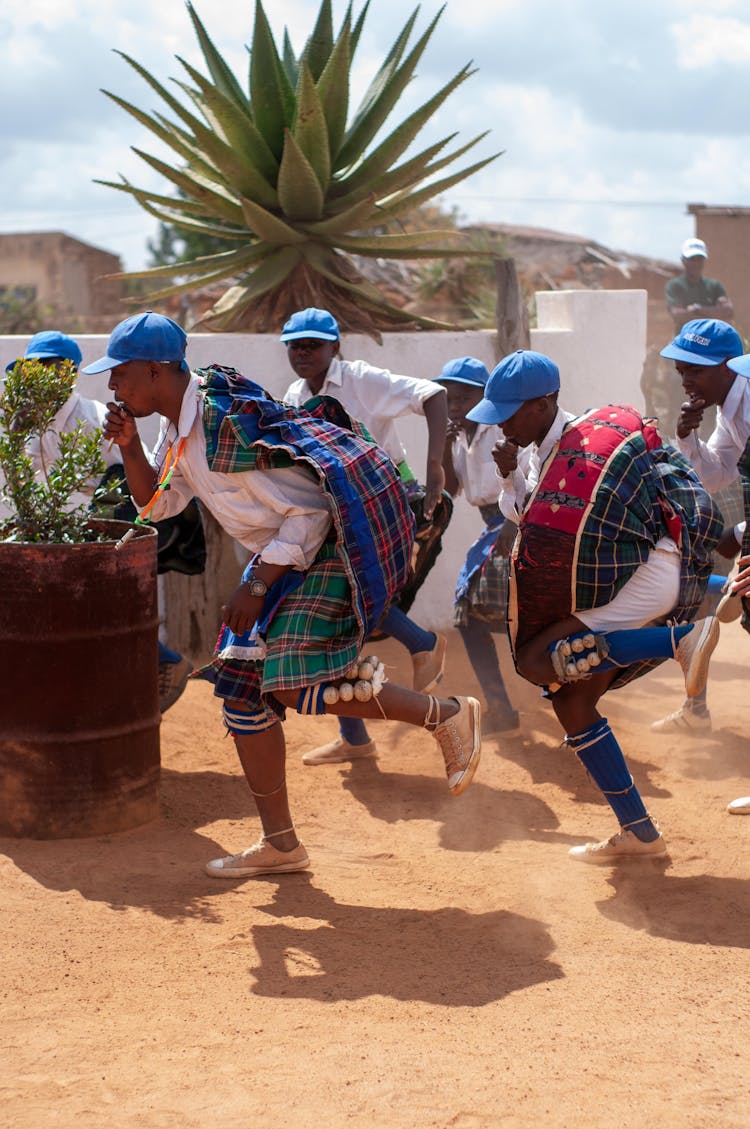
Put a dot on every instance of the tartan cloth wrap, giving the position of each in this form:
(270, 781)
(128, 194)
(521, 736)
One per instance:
(482, 586)
(743, 466)
(608, 492)
(318, 621)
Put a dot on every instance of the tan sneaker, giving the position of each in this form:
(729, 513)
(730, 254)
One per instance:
(262, 858)
(460, 741)
(694, 653)
(729, 606)
(685, 721)
(172, 681)
(338, 751)
(623, 845)
(429, 666)
(740, 806)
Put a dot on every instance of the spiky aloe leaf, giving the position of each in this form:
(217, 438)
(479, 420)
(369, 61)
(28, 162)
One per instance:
(264, 225)
(289, 60)
(217, 203)
(270, 274)
(236, 125)
(271, 93)
(250, 257)
(224, 79)
(333, 89)
(320, 44)
(402, 202)
(310, 129)
(300, 194)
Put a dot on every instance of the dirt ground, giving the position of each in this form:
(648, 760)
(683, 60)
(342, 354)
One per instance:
(443, 963)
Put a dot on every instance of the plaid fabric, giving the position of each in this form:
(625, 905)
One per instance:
(311, 634)
(608, 493)
(246, 429)
(482, 588)
(743, 467)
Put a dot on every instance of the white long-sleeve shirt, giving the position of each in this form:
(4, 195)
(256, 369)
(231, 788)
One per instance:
(282, 514)
(474, 466)
(515, 487)
(77, 409)
(374, 396)
(715, 461)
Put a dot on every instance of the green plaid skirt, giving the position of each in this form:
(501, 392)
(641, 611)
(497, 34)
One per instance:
(313, 637)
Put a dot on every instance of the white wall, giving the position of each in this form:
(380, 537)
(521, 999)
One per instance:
(597, 337)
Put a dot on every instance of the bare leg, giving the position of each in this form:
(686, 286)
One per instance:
(263, 759)
(394, 702)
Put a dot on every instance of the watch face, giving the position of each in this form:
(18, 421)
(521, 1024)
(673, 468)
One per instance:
(258, 587)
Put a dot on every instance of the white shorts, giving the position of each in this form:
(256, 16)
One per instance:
(650, 594)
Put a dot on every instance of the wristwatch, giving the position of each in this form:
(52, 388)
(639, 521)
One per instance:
(257, 586)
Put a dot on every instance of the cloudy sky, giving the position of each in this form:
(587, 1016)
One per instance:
(613, 114)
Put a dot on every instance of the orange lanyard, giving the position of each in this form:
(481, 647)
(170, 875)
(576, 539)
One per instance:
(163, 484)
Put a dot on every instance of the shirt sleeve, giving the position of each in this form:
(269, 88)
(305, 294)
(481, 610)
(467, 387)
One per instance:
(390, 394)
(715, 461)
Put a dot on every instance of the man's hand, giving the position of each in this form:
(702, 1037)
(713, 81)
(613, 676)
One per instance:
(242, 609)
(741, 582)
(119, 426)
(452, 430)
(435, 481)
(505, 455)
(690, 417)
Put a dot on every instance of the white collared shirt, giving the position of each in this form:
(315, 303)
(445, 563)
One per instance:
(715, 461)
(282, 514)
(374, 396)
(474, 466)
(515, 488)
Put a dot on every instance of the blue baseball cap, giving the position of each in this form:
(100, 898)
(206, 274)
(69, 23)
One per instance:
(521, 376)
(740, 365)
(311, 323)
(464, 370)
(143, 337)
(49, 344)
(704, 341)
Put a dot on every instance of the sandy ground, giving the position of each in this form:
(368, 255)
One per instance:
(442, 964)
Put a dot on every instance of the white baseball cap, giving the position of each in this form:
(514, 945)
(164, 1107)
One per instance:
(693, 248)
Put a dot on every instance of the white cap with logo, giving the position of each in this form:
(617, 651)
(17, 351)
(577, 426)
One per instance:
(694, 248)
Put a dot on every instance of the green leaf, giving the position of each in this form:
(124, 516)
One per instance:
(271, 95)
(320, 44)
(300, 193)
(333, 90)
(384, 93)
(397, 142)
(178, 203)
(276, 268)
(402, 202)
(236, 170)
(261, 255)
(166, 132)
(359, 215)
(269, 227)
(217, 203)
(359, 25)
(310, 130)
(226, 262)
(383, 246)
(290, 61)
(222, 75)
(237, 127)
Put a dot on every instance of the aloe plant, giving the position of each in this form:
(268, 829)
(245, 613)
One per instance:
(303, 185)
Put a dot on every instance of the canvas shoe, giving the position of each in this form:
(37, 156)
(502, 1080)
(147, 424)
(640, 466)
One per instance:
(460, 741)
(338, 751)
(623, 845)
(694, 653)
(428, 666)
(495, 723)
(740, 807)
(262, 858)
(172, 682)
(685, 721)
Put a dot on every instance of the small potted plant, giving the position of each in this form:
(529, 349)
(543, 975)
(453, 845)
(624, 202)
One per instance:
(79, 736)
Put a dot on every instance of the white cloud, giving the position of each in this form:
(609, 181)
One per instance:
(705, 41)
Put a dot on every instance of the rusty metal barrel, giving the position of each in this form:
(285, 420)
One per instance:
(79, 708)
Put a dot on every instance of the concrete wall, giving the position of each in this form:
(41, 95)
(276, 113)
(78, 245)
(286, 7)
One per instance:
(598, 338)
(65, 274)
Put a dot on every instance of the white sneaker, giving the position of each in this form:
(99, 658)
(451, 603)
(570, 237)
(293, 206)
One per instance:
(460, 741)
(339, 751)
(684, 721)
(694, 653)
(740, 807)
(262, 858)
(623, 845)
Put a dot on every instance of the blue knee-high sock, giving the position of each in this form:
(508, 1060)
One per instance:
(635, 644)
(166, 655)
(407, 632)
(599, 752)
(480, 648)
(354, 730)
